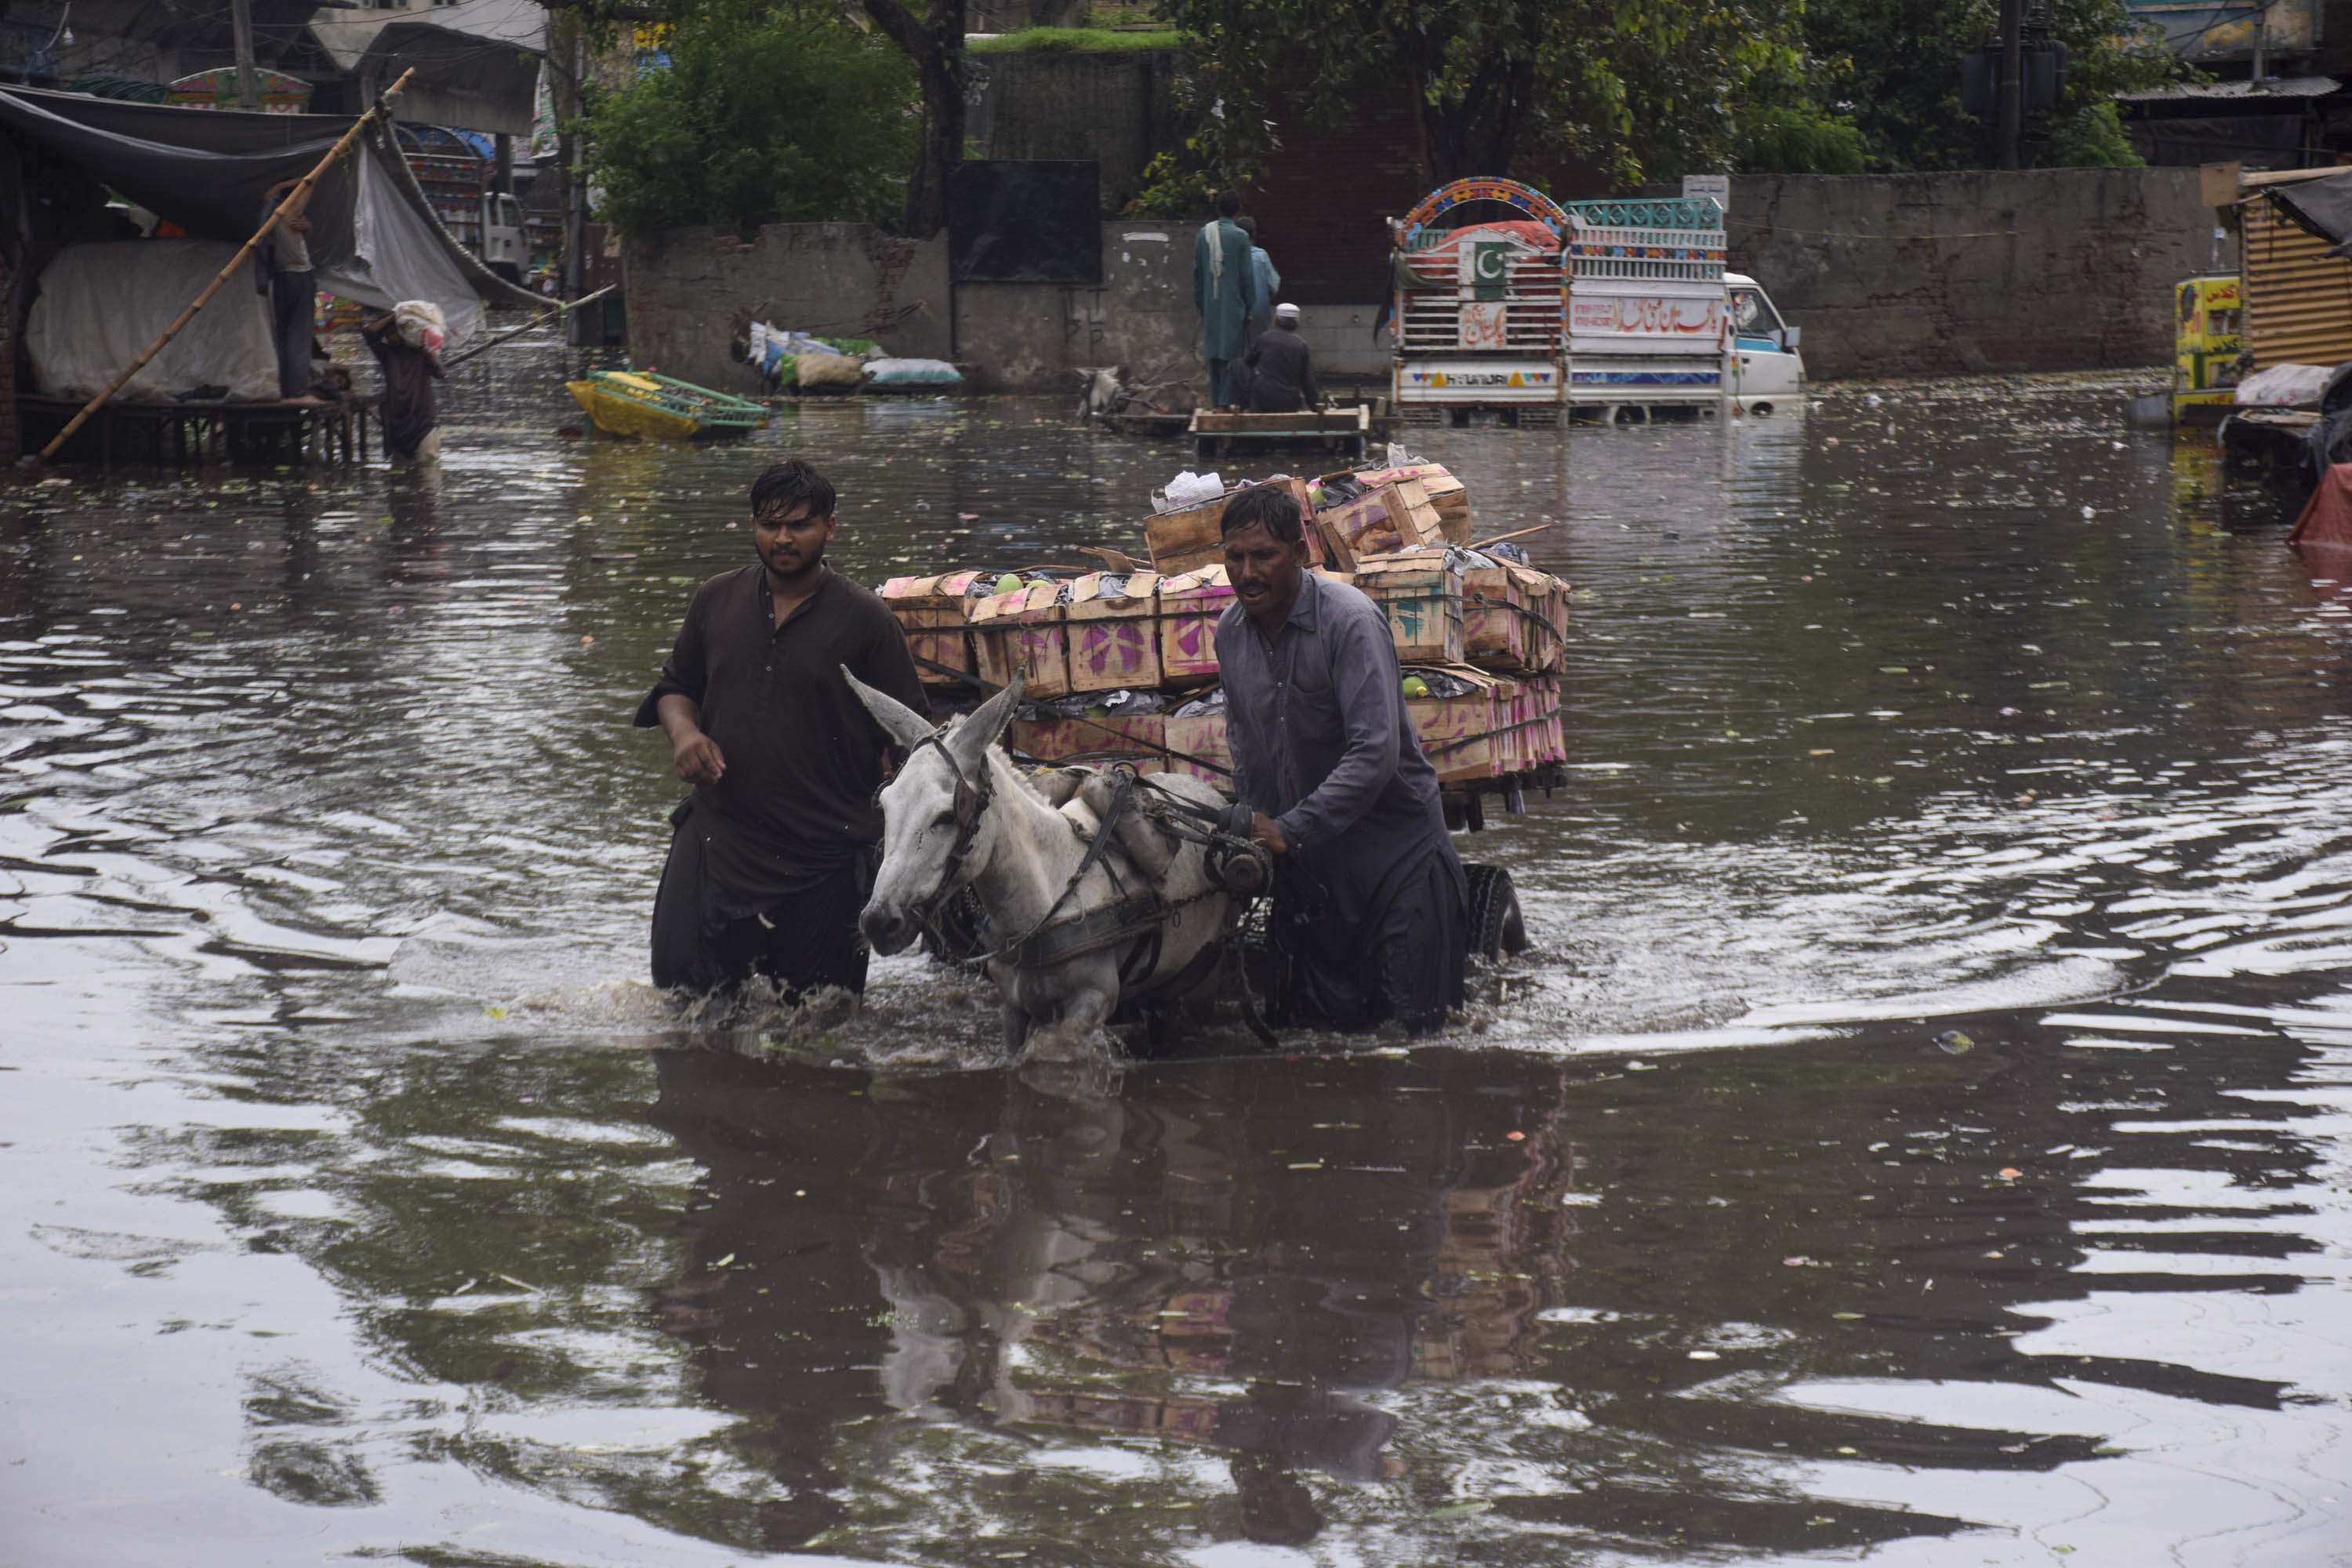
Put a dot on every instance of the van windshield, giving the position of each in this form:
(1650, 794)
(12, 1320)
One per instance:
(1752, 315)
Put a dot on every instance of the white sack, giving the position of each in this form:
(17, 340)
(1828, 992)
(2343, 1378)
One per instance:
(101, 305)
(2285, 386)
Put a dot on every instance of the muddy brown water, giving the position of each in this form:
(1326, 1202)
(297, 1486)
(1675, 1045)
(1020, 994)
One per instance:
(1920, 1132)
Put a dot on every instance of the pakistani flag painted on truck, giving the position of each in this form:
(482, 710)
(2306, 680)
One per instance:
(1508, 301)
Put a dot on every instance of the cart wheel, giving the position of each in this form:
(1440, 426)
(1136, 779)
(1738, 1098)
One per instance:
(1496, 928)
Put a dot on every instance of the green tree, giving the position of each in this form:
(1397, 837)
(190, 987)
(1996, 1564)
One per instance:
(1892, 69)
(765, 113)
(933, 43)
(1642, 90)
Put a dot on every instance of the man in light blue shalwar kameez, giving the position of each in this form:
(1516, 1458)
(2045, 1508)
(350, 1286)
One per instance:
(1224, 288)
(1263, 277)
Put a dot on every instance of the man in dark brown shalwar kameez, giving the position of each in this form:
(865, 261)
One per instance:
(774, 854)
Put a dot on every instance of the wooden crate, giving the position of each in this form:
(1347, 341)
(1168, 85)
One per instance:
(1390, 518)
(1187, 541)
(1511, 617)
(1023, 631)
(1114, 631)
(1188, 607)
(1448, 496)
(1420, 592)
(934, 612)
(1472, 736)
(1543, 736)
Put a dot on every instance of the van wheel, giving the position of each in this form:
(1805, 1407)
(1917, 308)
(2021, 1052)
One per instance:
(1498, 930)
(1760, 408)
(508, 272)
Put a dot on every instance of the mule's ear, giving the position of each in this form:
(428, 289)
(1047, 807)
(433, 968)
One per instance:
(901, 723)
(976, 734)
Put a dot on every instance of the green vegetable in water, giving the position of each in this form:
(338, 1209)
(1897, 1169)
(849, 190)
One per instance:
(1098, 711)
(1008, 583)
(1414, 686)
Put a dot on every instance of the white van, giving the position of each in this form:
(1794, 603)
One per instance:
(1765, 372)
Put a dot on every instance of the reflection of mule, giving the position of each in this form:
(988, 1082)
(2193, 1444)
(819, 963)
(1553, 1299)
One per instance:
(1133, 904)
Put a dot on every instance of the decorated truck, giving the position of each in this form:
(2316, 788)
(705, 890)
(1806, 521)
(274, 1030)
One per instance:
(1603, 310)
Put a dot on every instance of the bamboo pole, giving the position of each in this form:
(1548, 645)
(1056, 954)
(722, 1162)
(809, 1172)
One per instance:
(562, 308)
(380, 109)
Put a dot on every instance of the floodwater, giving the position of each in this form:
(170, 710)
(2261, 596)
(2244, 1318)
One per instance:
(1921, 1133)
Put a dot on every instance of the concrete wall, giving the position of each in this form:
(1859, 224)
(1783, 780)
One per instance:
(688, 289)
(1889, 274)
(1976, 271)
(1022, 337)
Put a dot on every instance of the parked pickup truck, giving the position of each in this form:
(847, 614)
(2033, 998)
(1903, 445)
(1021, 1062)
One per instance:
(1611, 310)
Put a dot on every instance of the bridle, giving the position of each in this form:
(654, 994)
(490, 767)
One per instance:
(970, 805)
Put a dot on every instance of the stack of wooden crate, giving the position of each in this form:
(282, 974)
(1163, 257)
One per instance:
(1398, 509)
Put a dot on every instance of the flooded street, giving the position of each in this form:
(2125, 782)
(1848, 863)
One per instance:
(1924, 1127)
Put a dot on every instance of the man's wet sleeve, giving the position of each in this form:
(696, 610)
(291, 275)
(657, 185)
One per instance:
(683, 671)
(1372, 698)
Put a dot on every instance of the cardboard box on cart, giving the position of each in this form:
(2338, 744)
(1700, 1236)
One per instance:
(1467, 737)
(1448, 497)
(1512, 617)
(934, 612)
(1189, 607)
(1420, 592)
(1388, 519)
(1135, 737)
(1023, 631)
(1192, 537)
(1200, 736)
(1114, 632)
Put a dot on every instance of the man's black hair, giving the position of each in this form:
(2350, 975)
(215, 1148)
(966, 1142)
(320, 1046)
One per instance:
(1247, 225)
(1228, 203)
(1270, 507)
(786, 486)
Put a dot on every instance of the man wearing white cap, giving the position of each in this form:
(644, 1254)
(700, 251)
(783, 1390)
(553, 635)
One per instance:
(1282, 368)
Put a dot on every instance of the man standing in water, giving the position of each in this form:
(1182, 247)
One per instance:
(773, 855)
(1224, 287)
(1371, 906)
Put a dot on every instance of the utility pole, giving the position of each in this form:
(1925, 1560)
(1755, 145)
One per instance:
(2011, 132)
(248, 88)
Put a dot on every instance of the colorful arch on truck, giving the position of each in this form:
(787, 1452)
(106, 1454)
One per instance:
(1489, 188)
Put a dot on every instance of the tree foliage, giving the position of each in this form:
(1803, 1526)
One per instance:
(1891, 68)
(765, 113)
(1648, 90)
(1640, 90)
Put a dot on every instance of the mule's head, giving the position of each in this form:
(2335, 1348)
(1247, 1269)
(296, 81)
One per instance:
(938, 801)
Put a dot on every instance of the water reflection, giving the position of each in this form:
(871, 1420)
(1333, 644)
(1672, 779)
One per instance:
(1452, 1296)
(1996, 848)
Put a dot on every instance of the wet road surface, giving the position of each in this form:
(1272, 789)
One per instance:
(1921, 1130)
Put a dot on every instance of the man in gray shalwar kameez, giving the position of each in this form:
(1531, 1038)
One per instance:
(1371, 906)
(1224, 288)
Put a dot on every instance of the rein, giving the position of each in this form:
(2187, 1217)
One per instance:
(1049, 941)
(971, 804)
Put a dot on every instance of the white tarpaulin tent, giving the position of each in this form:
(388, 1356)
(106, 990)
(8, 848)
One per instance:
(99, 305)
(373, 237)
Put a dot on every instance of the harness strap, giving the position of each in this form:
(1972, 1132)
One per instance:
(1113, 925)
